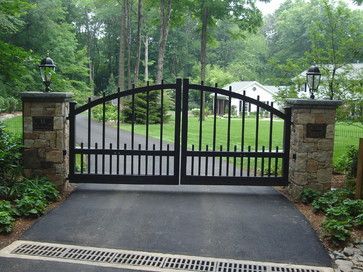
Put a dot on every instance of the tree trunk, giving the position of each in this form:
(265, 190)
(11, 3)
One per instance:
(203, 51)
(331, 84)
(121, 59)
(146, 60)
(128, 28)
(138, 52)
(165, 13)
(89, 46)
(203, 42)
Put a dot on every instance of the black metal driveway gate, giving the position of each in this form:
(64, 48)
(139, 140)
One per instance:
(219, 148)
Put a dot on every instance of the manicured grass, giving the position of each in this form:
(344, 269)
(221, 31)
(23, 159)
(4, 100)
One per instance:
(14, 125)
(345, 134)
(221, 132)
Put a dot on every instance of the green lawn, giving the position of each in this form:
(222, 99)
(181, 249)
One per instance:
(346, 134)
(221, 132)
(14, 125)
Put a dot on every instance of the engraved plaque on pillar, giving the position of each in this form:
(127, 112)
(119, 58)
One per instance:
(316, 131)
(41, 123)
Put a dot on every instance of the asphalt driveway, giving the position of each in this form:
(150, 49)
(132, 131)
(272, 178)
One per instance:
(245, 223)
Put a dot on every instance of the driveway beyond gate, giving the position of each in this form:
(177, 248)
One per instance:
(245, 223)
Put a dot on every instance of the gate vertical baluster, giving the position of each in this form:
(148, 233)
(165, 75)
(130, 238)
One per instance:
(214, 128)
(270, 141)
(147, 130)
(206, 161)
(234, 160)
(229, 128)
(167, 160)
(276, 161)
(201, 113)
(243, 130)
(132, 128)
(118, 130)
(89, 136)
(263, 162)
(72, 121)
(96, 158)
(248, 161)
(286, 142)
(256, 137)
(110, 159)
(161, 127)
(125, 159)
(192, 161)
(82, 158)
(184, 139)
(220, 160)
(153, 171)
(103, 130)
(139, 162)
(177, 129)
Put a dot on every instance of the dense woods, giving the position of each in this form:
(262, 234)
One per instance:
(101, 45)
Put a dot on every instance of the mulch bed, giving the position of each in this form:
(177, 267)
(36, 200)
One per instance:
(316, 219)
(22, 224)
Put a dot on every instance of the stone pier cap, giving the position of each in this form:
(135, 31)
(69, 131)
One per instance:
(300, 103)
(46, 96)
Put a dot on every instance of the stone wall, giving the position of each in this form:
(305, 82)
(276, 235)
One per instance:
(311, 155)
(46, 143)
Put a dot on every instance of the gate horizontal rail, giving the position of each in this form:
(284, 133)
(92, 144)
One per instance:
(200, 161)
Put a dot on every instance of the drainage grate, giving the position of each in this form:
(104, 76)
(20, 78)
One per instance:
(142, 260)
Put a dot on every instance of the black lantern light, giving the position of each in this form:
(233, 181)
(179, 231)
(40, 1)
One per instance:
(313, 79)
(47, 68)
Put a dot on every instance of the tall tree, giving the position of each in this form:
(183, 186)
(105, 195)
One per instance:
(122, 46)
(165, 16)
(337, 40)
(138, 42)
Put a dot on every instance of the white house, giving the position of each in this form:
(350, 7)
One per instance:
(252, 89)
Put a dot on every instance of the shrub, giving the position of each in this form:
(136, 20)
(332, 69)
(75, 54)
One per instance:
(140, 108)
(2, 104)
(6, 222)
(354, 207)
(38, 187)
(358, 220)
(12, 104)
(110, 113)
(308, 195)
(348, 162)
(337, 231)
(339, 213)
(330, 199)
(195, 112)
(5, 206)
(10, 154)
(31, 206)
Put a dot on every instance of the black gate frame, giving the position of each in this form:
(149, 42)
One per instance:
(120, 178)
(180, 152)
(268, 180)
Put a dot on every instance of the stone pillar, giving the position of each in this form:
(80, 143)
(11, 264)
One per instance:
(311, 145)
(45, 135)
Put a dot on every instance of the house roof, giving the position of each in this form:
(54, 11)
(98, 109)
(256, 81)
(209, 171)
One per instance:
(243, 85)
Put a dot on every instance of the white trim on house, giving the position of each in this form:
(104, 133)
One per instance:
(252, 89)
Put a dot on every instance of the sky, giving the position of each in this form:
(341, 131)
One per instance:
(269, 8)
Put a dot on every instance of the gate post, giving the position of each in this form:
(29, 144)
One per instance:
(311, 144)
(45, 135)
